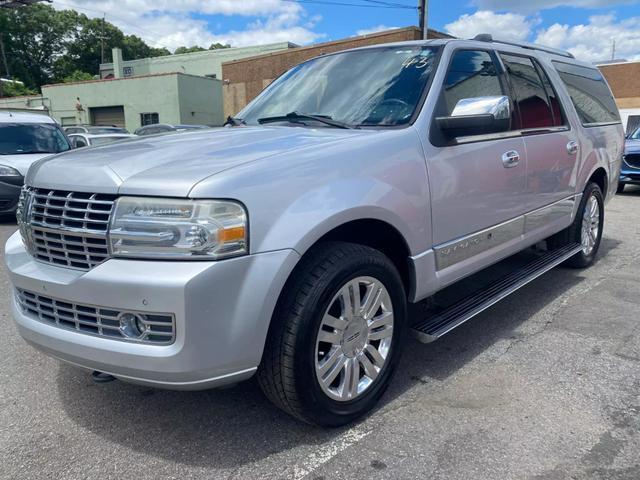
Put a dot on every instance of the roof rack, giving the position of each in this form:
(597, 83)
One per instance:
(487, 37)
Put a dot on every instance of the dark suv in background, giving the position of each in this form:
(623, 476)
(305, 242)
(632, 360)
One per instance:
(630, 172)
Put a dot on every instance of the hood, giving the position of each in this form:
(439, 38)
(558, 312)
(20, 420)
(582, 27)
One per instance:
(171, 165)
(22, 162)
(632, 146)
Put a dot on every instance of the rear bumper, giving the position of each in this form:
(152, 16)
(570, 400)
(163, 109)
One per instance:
(222, 313)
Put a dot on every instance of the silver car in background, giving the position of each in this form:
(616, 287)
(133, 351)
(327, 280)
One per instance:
(290, 244)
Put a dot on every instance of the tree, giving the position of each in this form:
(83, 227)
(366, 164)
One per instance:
(15, 89)
(217, 46)
(45, 45)
(195, 48)
(77, 76)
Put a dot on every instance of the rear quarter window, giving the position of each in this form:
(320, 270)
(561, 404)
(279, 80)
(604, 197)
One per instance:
(589, 93)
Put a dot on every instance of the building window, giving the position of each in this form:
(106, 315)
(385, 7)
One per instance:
(149, 119)
(127, 71)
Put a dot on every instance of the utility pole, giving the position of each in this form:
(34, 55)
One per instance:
(613, 49)
(423, 15)
(102, 39)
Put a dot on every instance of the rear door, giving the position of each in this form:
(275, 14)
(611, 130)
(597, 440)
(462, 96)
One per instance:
(552, 147)
(477, 197)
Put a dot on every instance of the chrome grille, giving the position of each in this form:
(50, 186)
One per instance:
(92, 320)
(68, 228)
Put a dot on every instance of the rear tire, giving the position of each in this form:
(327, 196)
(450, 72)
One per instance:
(326, 362)
(586, 228)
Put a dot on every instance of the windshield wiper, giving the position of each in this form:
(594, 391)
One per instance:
(293, 116)
(234, 121)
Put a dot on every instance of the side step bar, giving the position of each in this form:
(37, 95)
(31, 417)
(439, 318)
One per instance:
(433, 327)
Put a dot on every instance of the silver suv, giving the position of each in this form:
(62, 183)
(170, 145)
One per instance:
(291, 244)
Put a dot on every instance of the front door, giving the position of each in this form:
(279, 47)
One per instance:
(477, 183)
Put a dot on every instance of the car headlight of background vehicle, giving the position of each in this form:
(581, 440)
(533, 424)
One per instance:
(7, 171)
(181, 229)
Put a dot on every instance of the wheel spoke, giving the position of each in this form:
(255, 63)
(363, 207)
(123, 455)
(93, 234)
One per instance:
(377, 359)
(334, 371)
(354, 287)
(345, 300)
(351, 379)
(381, 334)
(330, 337)
(334, 322)
(329, 362)
(371, 302)
(383, 320)
(370, 369)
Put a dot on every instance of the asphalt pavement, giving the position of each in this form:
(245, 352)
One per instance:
(544, 385)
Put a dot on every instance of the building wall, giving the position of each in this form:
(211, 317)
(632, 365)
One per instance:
(197, 63)
(200, 101)
(244, 79)
(150, 94)
(25, 102)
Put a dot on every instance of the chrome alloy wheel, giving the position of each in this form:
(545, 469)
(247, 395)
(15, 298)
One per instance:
(354, 338)
(590, 225)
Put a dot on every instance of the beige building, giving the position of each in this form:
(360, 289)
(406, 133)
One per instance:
(624, 80)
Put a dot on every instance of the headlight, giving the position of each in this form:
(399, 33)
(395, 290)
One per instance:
(184, 229)
(7, 171)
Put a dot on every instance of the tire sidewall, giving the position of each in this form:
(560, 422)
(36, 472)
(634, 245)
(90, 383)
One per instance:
(323, 409)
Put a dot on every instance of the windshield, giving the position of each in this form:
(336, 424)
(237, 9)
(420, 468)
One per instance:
(635, 135)
(24, 138)
(376, 87)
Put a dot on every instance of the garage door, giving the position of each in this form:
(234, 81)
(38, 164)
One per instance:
(108, 116)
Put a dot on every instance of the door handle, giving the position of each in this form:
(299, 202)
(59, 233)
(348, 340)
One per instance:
(510, 159)
(572, 147)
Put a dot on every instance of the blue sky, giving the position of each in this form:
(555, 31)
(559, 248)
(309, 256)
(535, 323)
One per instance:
(586, 27)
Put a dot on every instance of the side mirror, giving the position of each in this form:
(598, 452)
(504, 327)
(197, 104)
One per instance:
(477, 116)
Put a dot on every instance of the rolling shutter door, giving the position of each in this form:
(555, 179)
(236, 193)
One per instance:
(108, 116)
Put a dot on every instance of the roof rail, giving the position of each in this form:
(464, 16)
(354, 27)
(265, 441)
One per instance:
(486, 37)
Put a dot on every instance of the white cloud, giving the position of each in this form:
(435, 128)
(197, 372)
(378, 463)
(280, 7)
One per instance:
(170, 23)
(593, 41)
(502, 25)
(536, 5)
(376, 29)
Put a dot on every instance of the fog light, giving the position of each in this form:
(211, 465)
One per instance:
(132, 325)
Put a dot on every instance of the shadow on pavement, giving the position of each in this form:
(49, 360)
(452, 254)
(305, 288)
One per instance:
(233, 427)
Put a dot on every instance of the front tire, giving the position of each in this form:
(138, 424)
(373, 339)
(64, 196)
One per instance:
(335, 337)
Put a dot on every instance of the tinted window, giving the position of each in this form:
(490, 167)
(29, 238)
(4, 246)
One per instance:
(377, 86)
(529, 93)
(589, 93)
(23, 138)
(78, 142)
(556, 109)
(471, 74)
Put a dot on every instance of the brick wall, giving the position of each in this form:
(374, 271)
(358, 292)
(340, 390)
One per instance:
(244, 79)
(624, 80)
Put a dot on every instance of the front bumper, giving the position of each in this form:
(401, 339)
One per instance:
(9, 193)
(630, 175)
(222, 313)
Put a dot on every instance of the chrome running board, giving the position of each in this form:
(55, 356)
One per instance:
(433, 327)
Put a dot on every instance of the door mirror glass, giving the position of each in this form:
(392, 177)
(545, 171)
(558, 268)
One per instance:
(477, 116)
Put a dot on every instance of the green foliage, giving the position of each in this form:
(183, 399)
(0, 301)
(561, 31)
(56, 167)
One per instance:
(77, 76)
(45, 45)
(195, 48)
(15, 90)
(217, 46)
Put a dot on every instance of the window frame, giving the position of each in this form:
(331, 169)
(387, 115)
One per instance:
(566, 126)
(592, 124)
(142, 115)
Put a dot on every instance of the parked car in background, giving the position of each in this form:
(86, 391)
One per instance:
(94, 129)
(290, 247)
(79, 140)
(157, 128)
(630, 172)
(24, 138)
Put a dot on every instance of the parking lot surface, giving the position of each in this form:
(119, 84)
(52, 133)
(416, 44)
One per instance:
(544, 385)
